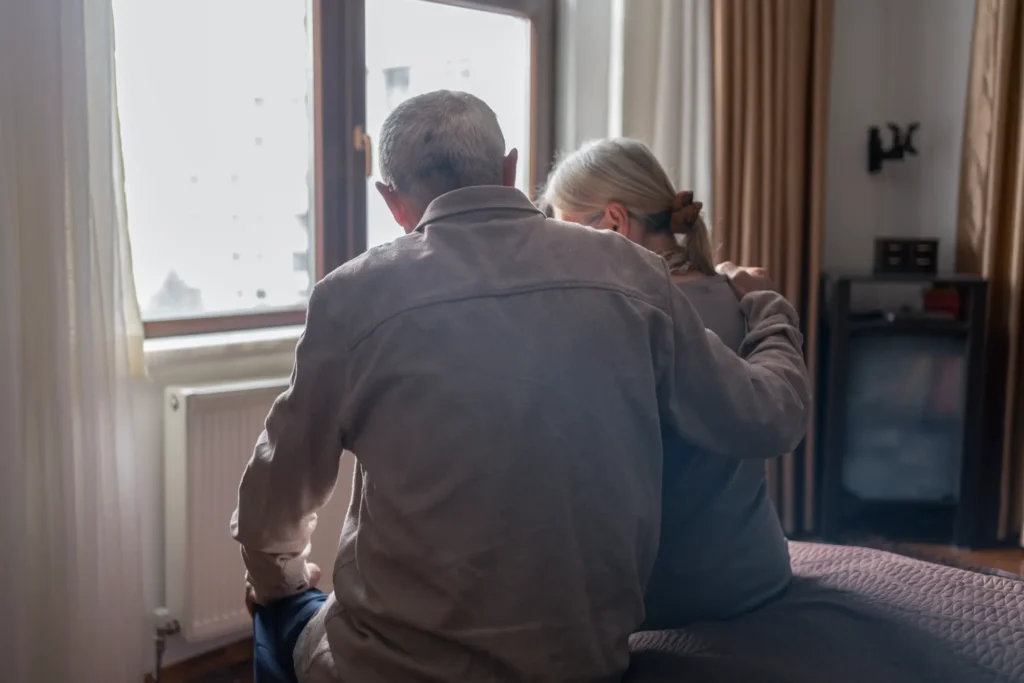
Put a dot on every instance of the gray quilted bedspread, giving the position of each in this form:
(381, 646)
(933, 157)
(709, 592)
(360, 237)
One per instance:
(853, 615)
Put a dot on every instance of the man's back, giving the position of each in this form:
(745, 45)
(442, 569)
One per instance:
(501, 400)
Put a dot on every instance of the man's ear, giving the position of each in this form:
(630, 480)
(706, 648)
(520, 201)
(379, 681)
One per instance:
(508, 168)
(400, 208)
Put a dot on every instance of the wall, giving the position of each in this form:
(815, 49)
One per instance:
(899, 61)
(892, 60)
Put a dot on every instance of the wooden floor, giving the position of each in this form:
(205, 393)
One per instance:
(230, 664)
(1010, 560)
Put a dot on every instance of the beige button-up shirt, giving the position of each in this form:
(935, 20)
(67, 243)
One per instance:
(507, 383)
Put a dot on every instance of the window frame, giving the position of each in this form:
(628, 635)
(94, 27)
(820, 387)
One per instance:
(542, 15)
(340, 148)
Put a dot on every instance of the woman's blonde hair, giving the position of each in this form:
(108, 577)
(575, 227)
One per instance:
(626, 171)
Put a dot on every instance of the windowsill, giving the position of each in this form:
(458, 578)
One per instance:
(275, 345)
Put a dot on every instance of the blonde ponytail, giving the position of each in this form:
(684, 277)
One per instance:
(696, 247)
(626, 171)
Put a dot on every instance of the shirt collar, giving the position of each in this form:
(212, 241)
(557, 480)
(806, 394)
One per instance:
(476, 198)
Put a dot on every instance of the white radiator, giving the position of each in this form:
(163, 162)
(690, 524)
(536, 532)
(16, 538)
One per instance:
(209, 434)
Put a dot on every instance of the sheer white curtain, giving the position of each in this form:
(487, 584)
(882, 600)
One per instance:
(70, 342)
(642, 69)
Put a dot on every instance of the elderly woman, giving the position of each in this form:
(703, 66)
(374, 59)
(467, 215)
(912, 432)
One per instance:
(723, 551)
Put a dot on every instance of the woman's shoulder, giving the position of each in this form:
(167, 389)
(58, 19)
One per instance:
(717, 306)
(715, 286)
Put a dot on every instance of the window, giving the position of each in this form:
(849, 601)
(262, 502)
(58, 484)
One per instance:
(247, 133)
(217, 142)
(502, 51)
(414, 47)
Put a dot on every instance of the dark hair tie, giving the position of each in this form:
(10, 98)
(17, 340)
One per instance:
(685, 213)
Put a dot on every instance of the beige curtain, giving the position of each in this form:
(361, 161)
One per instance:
(665, 98)
(70, 348)
(771, 65)
(990, 230)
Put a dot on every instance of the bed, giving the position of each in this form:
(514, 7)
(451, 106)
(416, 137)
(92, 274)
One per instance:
(853, 615)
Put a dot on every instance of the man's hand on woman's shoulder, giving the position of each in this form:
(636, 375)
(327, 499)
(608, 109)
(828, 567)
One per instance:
(744, 279)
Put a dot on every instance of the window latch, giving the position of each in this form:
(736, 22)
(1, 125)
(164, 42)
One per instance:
(363, 143)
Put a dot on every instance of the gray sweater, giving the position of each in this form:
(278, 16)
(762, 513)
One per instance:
(722, 551)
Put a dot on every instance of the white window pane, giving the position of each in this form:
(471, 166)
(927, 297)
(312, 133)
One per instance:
(414, 47)
(215, 100)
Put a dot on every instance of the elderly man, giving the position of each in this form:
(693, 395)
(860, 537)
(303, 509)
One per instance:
(506, 383)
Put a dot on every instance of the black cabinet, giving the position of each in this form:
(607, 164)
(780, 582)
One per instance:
(902, 394)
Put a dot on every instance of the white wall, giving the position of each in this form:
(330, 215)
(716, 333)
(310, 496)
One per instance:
(899, 61)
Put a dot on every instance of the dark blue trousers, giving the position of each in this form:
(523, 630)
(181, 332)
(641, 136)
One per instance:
(276, 629)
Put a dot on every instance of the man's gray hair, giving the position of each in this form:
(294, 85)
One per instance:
(438, 142)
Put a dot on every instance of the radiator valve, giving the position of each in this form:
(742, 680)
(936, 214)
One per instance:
(166, 626)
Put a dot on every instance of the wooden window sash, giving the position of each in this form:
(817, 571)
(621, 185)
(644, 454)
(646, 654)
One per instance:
(339, 92)
(542, 15)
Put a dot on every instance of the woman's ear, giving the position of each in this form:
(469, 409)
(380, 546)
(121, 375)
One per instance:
(616, 217)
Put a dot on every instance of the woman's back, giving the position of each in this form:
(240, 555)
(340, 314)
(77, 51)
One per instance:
(718, 307)
(723, 551)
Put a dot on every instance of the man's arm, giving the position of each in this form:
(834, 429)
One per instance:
(294, 466)
(757, 406)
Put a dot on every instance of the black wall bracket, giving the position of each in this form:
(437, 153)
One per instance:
(902, 145)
